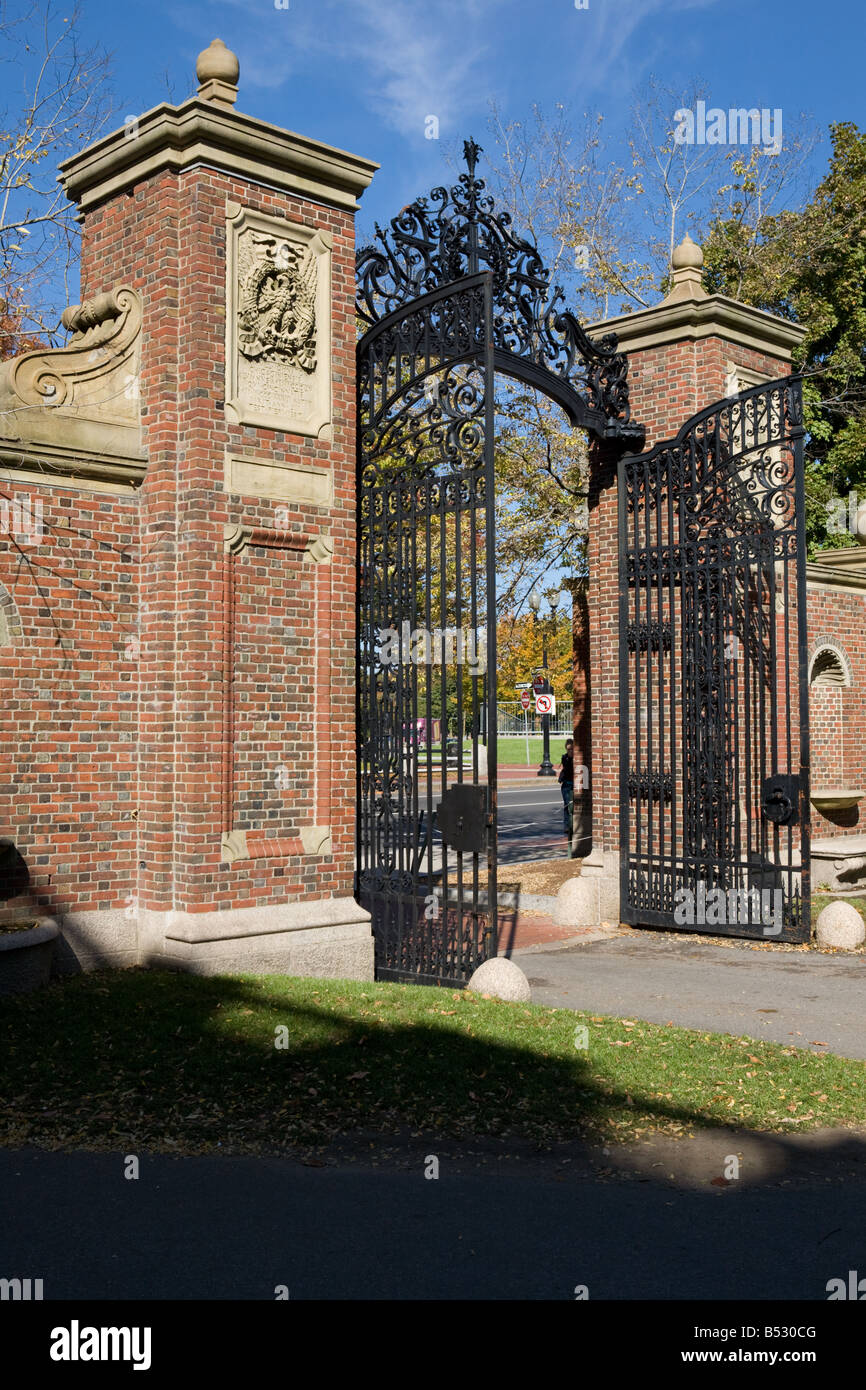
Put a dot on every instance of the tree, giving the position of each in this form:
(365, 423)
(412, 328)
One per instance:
(606, 220)
(542, 468)
(607, 217)
(55, 95)
(809, 265)
(520, 645)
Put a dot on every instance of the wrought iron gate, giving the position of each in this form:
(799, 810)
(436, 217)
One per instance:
(450, 296)
(714, 789)
(427, 605)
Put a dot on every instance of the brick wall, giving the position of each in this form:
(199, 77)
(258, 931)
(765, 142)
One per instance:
(117, 748)
(837, 714)
(671, 382)
(69, 690)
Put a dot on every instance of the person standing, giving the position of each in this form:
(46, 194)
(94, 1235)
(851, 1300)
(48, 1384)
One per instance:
(566, 783)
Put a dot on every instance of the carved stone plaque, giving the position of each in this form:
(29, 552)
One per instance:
(278, 323)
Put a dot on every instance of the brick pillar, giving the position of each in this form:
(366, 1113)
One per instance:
(683, 354)
(603, 624)
(239, 238)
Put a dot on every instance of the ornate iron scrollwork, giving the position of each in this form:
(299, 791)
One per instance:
(650, 786)
(457, 232)
(713, 550)
(649, 637)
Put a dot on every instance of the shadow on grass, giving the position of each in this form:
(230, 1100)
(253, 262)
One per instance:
(180, 1063)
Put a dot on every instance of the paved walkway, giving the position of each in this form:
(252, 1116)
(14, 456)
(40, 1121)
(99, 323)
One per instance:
(234, 1228)
(806, 998)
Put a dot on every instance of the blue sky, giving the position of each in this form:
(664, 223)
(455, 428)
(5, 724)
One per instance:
(364, 75)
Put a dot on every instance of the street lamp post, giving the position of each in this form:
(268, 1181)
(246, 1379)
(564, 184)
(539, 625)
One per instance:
(546, 769)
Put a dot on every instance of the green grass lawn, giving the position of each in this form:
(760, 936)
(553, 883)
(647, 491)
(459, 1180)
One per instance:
(513, 750)
(177, 1063)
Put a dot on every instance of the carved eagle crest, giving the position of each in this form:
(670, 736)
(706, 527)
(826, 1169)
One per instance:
(277, 309)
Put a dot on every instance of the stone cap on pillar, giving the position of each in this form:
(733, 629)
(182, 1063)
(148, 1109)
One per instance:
(207, 130)
(687, 313)
(217, 70)
(838, 569)
(687, 260)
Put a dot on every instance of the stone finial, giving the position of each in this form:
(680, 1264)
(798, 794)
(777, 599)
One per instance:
(686, 262)
(217, 70)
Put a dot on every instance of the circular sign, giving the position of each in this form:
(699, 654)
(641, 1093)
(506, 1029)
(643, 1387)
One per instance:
(526, 699)
(538, 684)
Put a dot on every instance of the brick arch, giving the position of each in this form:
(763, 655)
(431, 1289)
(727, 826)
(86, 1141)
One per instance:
(11, 631)
(829, 664)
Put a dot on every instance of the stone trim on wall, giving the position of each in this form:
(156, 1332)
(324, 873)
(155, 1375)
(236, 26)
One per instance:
(838, 569)
(204, 132)
(11, 631)
(314, 840)
(73, 467)
(714, 316)
(249, 476)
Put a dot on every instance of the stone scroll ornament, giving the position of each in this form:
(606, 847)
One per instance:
(277, 304)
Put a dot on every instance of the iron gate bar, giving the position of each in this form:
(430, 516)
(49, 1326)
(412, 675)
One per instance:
(712, 522)
(490, 944)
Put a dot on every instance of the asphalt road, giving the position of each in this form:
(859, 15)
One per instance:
(530, 822)
(780, 996)
(235, 1228)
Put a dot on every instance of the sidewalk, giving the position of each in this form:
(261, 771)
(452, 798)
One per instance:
(536, 932)
(807, 999)
(505, 1222)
